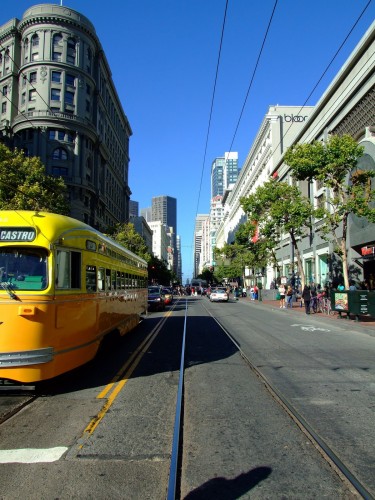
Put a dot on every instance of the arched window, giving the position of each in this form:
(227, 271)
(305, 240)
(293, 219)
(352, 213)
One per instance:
(26, 51)
(57, 47)
(89, 60)
(71, 51)
(60, 154)
(34, 47)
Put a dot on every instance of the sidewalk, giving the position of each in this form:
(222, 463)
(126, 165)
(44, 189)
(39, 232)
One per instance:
(297, 309)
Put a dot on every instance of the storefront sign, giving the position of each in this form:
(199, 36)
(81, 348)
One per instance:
(367, 251)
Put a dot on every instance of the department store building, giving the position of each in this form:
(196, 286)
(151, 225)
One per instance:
(58, 102)
(347, 107)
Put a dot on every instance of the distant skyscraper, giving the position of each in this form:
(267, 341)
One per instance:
(133, 208)
(164, 208)
(147, 214)
(200, 220)
(224, 173)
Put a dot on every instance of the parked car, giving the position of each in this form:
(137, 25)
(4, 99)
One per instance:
(168, 294)
(156, 298)
(219, 295)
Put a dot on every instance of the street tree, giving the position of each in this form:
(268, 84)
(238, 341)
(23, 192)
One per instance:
(234, 257)
(277, 208)
(351, 189)
(126, 235)
(24, 184)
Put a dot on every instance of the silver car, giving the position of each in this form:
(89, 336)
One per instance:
(219, 295)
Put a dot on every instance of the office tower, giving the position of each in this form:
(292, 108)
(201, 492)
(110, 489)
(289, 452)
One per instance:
(224, 173)
(164, 208)
(133, 208)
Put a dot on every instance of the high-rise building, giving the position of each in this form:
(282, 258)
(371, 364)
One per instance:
(133, 208)
(224, 173)
(164, 208)
(58, 102)
(200, 220)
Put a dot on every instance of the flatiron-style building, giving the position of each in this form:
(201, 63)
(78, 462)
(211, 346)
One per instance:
(58, 101)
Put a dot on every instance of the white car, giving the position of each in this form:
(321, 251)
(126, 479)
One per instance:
(219, 295)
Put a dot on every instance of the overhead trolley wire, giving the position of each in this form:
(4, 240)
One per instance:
(327, 68)
(212, 103)
(254, 72)
(211, 110)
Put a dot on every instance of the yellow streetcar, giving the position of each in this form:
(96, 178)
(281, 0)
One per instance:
(63, 287)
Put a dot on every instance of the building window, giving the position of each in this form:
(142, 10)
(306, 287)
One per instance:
(56, 56)
(52, 135)
(4, 107)
(60, 171)
(57, 40)
(35, 41)
(71, 51)
(59, 154)
(26, 50)
(69, 97)
(70, 80)
(32, 95)
(55, 94)
(32, 77)
(5, 90)
(61, 135)
(89, 60)
(56, 76)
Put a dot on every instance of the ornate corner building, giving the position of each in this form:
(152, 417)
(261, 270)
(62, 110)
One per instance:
(58, 102)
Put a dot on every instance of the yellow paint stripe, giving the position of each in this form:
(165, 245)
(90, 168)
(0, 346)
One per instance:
(116, 386)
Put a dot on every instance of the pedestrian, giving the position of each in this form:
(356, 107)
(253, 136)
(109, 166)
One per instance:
(256, 291)
(289, 297)
(306, 295)
(252, 293)
(282, 296)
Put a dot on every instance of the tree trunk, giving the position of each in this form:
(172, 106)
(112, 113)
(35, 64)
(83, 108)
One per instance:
(344, 251)
(299, 261)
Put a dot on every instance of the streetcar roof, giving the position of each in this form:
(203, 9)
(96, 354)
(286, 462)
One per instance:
(55, 226)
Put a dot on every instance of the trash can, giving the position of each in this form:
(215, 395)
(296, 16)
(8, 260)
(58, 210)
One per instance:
(358, 303)
(371, 303)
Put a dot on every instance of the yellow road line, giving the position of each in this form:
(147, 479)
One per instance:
(124, 374)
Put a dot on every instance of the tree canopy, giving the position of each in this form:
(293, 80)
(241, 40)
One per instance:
(24, 184)
(126, 235)
(351, 190)
(276, 208)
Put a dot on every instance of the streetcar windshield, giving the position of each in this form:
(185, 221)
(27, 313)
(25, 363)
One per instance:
(23, 268)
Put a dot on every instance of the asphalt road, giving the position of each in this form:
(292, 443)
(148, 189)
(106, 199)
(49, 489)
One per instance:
(93, 439)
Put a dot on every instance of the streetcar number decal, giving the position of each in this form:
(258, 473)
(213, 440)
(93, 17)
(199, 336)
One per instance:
(17, 234)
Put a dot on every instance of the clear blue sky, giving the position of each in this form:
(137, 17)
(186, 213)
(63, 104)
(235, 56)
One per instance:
(163, 56)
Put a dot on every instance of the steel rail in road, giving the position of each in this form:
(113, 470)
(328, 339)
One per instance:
(173, 470)
(328, 454)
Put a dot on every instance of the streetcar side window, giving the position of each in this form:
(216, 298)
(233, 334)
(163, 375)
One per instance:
(101, 279)
(68, 269)
(91, 278)
(108, 279)
(76, 270)
(113, 274)
(62, 269)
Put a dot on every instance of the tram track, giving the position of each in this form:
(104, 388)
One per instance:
(341, 469)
